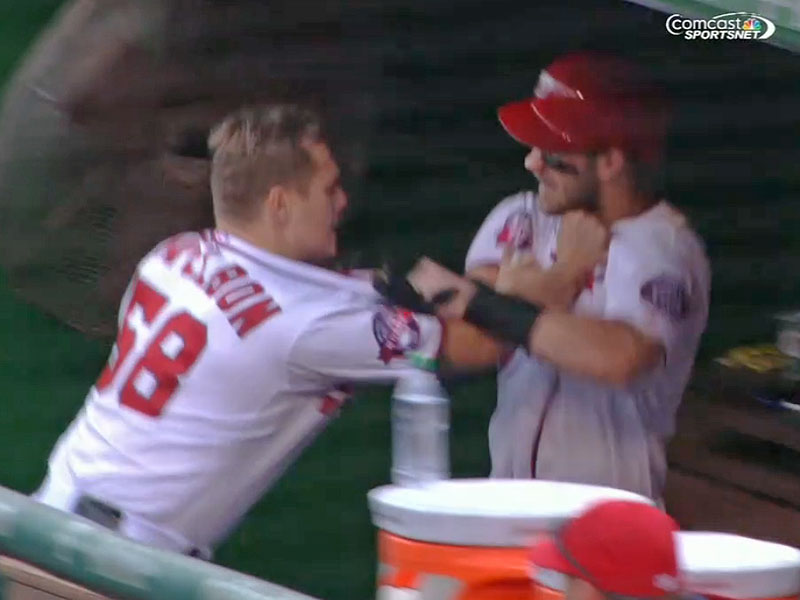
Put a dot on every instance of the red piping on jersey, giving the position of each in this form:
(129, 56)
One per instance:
(335, 399)
(538, 439)
(401, 578)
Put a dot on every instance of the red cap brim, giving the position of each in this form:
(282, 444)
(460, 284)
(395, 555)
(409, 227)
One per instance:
(522, 123)
(546, 555)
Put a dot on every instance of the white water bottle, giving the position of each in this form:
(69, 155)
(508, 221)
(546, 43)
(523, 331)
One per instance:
(420, 430)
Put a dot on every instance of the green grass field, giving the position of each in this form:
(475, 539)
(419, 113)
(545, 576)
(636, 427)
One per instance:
(313, 532)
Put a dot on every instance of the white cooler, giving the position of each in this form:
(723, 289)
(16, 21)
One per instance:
(722, 565)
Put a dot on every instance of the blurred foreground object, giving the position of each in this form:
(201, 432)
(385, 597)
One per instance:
(103, 128)
(719, 565)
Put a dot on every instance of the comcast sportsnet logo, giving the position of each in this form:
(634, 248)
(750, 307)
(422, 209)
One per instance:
(729, 26)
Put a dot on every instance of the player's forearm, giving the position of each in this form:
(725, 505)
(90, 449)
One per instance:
(609, 351)
(465, 347)
(554, 288)
(485, 273)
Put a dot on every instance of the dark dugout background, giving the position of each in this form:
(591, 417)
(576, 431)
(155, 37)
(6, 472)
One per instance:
(85, 182)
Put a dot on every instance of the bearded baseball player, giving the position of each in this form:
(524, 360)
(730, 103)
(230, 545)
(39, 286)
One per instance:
(230, 359)
(590, 390)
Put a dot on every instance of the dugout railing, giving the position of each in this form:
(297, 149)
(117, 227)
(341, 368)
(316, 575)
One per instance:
(46, 553)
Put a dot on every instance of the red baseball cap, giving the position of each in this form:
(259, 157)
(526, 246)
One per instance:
(620, 547)
(588, 101)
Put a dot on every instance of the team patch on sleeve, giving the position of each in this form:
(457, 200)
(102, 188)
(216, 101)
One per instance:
(396, 331)
(517, 231)
(667, 295)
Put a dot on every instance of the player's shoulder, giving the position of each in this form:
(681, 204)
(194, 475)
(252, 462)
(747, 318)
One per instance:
(351, 295)
(196, 259)
(519, 212)
(519, 199)
(663, 233)
(522, 201)
(193, 242)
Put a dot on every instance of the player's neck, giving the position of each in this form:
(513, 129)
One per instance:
(258, 237)
(618, 204)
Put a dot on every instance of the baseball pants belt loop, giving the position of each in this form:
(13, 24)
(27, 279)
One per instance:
(72, 500)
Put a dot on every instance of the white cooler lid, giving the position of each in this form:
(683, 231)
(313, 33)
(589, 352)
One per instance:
(738, 567)
(484, 512)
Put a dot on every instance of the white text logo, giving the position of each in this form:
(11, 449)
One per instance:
(729, 26)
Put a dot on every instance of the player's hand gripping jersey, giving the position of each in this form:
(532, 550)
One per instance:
(551, 424)
(229, 361)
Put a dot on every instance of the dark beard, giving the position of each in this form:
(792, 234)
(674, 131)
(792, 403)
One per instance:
(590, 201)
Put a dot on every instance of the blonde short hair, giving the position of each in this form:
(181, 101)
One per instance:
(257, 148)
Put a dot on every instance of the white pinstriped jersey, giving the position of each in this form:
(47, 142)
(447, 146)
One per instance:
(551, 424)
(229, 361)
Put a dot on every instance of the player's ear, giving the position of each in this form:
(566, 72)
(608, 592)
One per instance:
(578, 589)
(277, 206)
(610, 164)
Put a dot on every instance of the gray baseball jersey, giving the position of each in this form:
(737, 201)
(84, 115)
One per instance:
(551, 424)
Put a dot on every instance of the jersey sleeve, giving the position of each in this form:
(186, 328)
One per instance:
(659, 288)
(366, 343)
(512, 221)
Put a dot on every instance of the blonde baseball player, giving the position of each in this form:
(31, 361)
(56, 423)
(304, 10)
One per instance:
(234, 348)
(591, 390)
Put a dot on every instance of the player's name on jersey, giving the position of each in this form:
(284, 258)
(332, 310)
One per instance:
(242, 300)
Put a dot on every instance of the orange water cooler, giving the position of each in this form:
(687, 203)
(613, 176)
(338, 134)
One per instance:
(468, 539)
